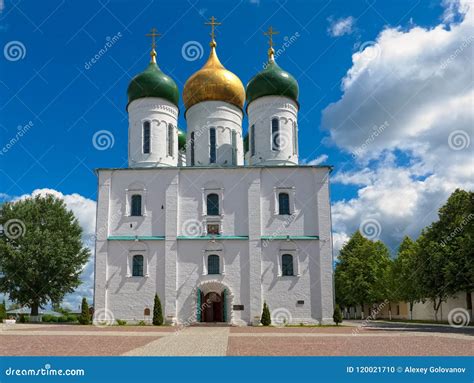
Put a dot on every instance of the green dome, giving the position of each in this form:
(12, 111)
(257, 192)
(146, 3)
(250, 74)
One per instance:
(152, 82)
(181, 140)
(246, 143)
(272, 81)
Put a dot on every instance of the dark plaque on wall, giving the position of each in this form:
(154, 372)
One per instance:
(300, 302)
(238, 307)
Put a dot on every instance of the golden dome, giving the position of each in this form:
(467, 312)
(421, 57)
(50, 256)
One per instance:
(213, 83)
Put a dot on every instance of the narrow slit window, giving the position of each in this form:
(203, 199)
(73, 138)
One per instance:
(234, 148)
(170, 140)
(192, 148)
(295, 138)
(275, 134)
(252, 140)
(146, 137)
(212, 145)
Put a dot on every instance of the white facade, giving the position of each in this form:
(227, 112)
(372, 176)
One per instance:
(171, 235)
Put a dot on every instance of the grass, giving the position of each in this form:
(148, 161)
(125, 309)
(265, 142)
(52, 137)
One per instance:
(417, 321)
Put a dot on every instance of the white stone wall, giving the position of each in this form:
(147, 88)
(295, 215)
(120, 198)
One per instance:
(160, 113)
(226, 118)
(174, 206)
(260, 114)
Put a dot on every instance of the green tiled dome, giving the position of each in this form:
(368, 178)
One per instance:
(152, 82)
(272, 81)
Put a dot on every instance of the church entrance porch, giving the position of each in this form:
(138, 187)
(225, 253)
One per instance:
(213, 302)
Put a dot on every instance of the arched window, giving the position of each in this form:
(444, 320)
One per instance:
(137, 266)
(212, 204)
(136, 203)
(170, 140)
(213, 264)
(287, 264)
(275, 134)
(252, 140)
(192, 148)
(212, 145)
(146, 137)
(283, 204)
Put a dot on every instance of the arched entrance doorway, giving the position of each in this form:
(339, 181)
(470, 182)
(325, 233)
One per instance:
(212, 308)
(213, 302)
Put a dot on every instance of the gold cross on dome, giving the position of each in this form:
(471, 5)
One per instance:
(153, 34)
(270, 34)
(213, 24)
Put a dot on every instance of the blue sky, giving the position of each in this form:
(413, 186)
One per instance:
(361, 66)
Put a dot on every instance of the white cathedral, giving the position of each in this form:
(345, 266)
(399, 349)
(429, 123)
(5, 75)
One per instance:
(213, 222)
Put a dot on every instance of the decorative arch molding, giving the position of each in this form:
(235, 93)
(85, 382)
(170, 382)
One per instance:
(214, 285)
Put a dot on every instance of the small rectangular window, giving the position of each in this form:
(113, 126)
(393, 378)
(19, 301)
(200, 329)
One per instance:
(146, 137)
(212, 145)
(136, 203)
(283, 204)
(275, 134)
(287, 265)
(213, 264)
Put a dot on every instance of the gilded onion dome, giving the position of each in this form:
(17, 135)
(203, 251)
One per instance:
(213, 83)
(273, 80)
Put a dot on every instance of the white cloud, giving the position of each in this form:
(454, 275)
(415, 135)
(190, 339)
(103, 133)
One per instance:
(84, 210)
(406, 115)
(316, 161)
(341, 27)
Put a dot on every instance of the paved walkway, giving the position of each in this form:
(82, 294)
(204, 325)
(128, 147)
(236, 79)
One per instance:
(195, 341)
(358, 339)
